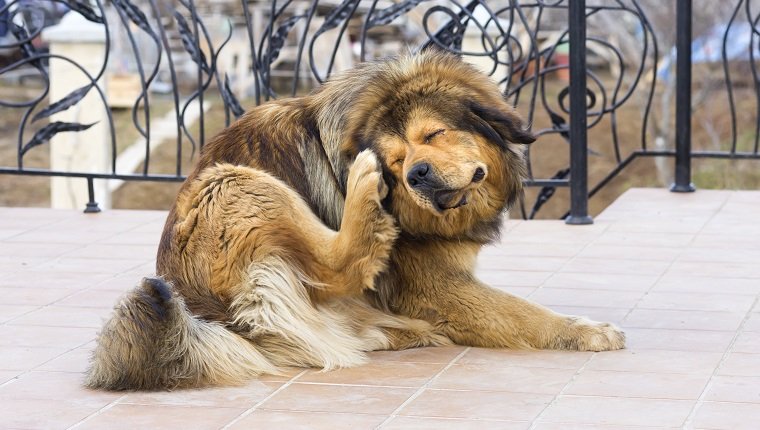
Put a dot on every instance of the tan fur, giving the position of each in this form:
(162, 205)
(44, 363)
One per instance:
(299, 240)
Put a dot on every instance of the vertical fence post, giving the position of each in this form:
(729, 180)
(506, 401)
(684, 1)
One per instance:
(578, 121)
(92, 205)
(683, 98)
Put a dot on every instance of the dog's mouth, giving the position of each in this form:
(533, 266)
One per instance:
(444, 200)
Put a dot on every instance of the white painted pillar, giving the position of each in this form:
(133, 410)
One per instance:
(83, 42)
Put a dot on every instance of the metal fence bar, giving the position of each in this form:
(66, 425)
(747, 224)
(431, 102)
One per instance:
(683, 99)
(578, 115)
(521, 43)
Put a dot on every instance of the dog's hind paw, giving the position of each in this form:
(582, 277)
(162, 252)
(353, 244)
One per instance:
(365, 177)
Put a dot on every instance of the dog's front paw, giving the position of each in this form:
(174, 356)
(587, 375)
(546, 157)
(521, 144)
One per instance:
(586, 335)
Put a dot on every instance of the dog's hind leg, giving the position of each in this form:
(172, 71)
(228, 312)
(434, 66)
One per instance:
(245, 215)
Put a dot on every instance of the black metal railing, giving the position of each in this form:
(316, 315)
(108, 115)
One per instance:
(236, 54)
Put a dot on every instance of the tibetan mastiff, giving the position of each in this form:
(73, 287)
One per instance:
(317, 228)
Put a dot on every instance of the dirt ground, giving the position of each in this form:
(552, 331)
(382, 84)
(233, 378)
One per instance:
(711, 130)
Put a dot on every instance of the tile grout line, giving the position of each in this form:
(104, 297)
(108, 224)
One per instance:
(534, 422)
(675, 259)
(421, 389)
(569, 260)
(98, 412)
(37, 368)
(700, 400)
(250, 410)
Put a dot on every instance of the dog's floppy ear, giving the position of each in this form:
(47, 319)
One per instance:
(499, 127)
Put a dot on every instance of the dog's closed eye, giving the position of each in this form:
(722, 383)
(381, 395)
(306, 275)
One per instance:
(430, 136)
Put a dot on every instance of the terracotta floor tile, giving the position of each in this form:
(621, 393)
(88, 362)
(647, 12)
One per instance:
(523, 292)
(718, 240)
(20, 264)
(587, 298)
(730, 224)
(734, 389)
(42, 414)
(477, 405)
(595, 281)
(91, 265)
(98, 251)
(622, 252)
(129, 417)
(728, 416)
(740, 364)
(6, 232)
(394, 374)
(64, 316)
(638, 384)
(523, 264)
(708, 254)
(586, 426)
(679, 323)
(102, 299)
(696, 302)
(338, 398)
(510, 248)
(263, 419)
(537, 380)
(56, 386)
(660, 225)
(9, 312)
(504, 278)
(633, 360)
(7, 375)
(618, 411)
(678, 340)
(511, 358)
(550, 232)
(732, 269)
(680, 319)
(146, 269)
(753, 322)
(34, 296)
(615, 266)
(45, 337)
(55, 279)
(242, 397)
(107, 223)
(37, 250)
(26, 358)
(672, 240)
(706, 285)
(133, 238)
(61, 236)
(442, 354)
(416, 423)
(748, 341)
(75, 361)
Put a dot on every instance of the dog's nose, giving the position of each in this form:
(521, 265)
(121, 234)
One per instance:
(418, 174)
(478, 175)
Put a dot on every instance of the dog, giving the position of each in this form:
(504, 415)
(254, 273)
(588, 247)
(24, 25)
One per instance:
(315, 229)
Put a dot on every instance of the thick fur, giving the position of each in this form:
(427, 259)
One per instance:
(304, 238)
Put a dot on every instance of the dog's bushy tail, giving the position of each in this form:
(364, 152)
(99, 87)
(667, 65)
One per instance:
(153, 342)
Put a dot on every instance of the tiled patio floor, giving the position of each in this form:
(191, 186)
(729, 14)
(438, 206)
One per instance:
(681, 274)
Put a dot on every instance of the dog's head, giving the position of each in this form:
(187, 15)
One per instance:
(448, 142)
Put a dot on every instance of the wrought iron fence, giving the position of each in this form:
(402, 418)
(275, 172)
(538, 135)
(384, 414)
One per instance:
(264, 50)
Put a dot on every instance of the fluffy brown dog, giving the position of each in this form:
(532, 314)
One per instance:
(317, 228)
